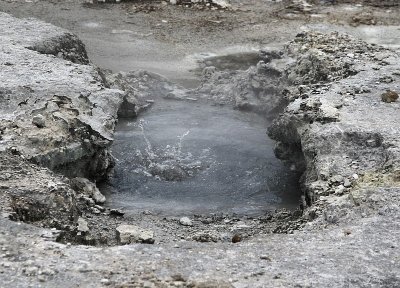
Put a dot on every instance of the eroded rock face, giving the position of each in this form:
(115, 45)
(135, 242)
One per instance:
(341, 127)
(35, 195)
(54, 112)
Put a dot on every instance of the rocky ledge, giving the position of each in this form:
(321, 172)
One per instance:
(341, 123)
(55, 110)
(340, 128)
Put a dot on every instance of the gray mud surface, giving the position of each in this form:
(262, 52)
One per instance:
(330, 100)
(206, 160)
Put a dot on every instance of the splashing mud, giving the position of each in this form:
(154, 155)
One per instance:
(167, 163)
(182, 157)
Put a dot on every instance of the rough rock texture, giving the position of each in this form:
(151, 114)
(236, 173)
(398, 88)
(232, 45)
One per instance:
(342, 128)
(35, 195)
(88, 188)
(253, 90)
(256, 89)
(78, 111)
(54, 113)
(43, 38)
(127, 234)
(141, 88)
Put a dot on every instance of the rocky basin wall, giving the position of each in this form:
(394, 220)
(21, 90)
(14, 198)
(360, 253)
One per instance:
(55, 109)
(340, 125)
(340, 117)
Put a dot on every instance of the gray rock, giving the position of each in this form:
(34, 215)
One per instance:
(61, 95)
(337, 179)
(127, 234)
(88, 188)
(333, 140)
(206, 236)
(185, 221)
(390, 96)
(39, 121)
(347, 183)
(117, 212)
(82, 225)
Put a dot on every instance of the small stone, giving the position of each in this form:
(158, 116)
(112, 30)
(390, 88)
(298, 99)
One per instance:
(95, 210)
(255, 84)
(82, 225)
(355, 176)
(236, 238)
(117, 212)
(88, 188)
(207, 221)
(178, 278)
(324, 175)
(206, 236)
(389, 96)
(185, 221)
(148, 284)
(339, 190)
(386, 79)
(127, 234)
(30, 271)
(105, 281)
(346, 232)
(337, 179)
(100, 208)
(39, 121)
(347, 183)
(265, 257)
(372, 143)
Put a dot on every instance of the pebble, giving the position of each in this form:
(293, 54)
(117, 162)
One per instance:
(100, 208)
(337, 179)
(82, 225)
(347, 183)
(116, 212)
(39, 121)
(185, 221)
(265, 257)
(339, 190)
(95, 210)
(207, 221)
(389, 96)
(127, 234)
(236, 238)
(105, 281)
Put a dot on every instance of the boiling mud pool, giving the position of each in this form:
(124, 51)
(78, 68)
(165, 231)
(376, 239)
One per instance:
(182, 157)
